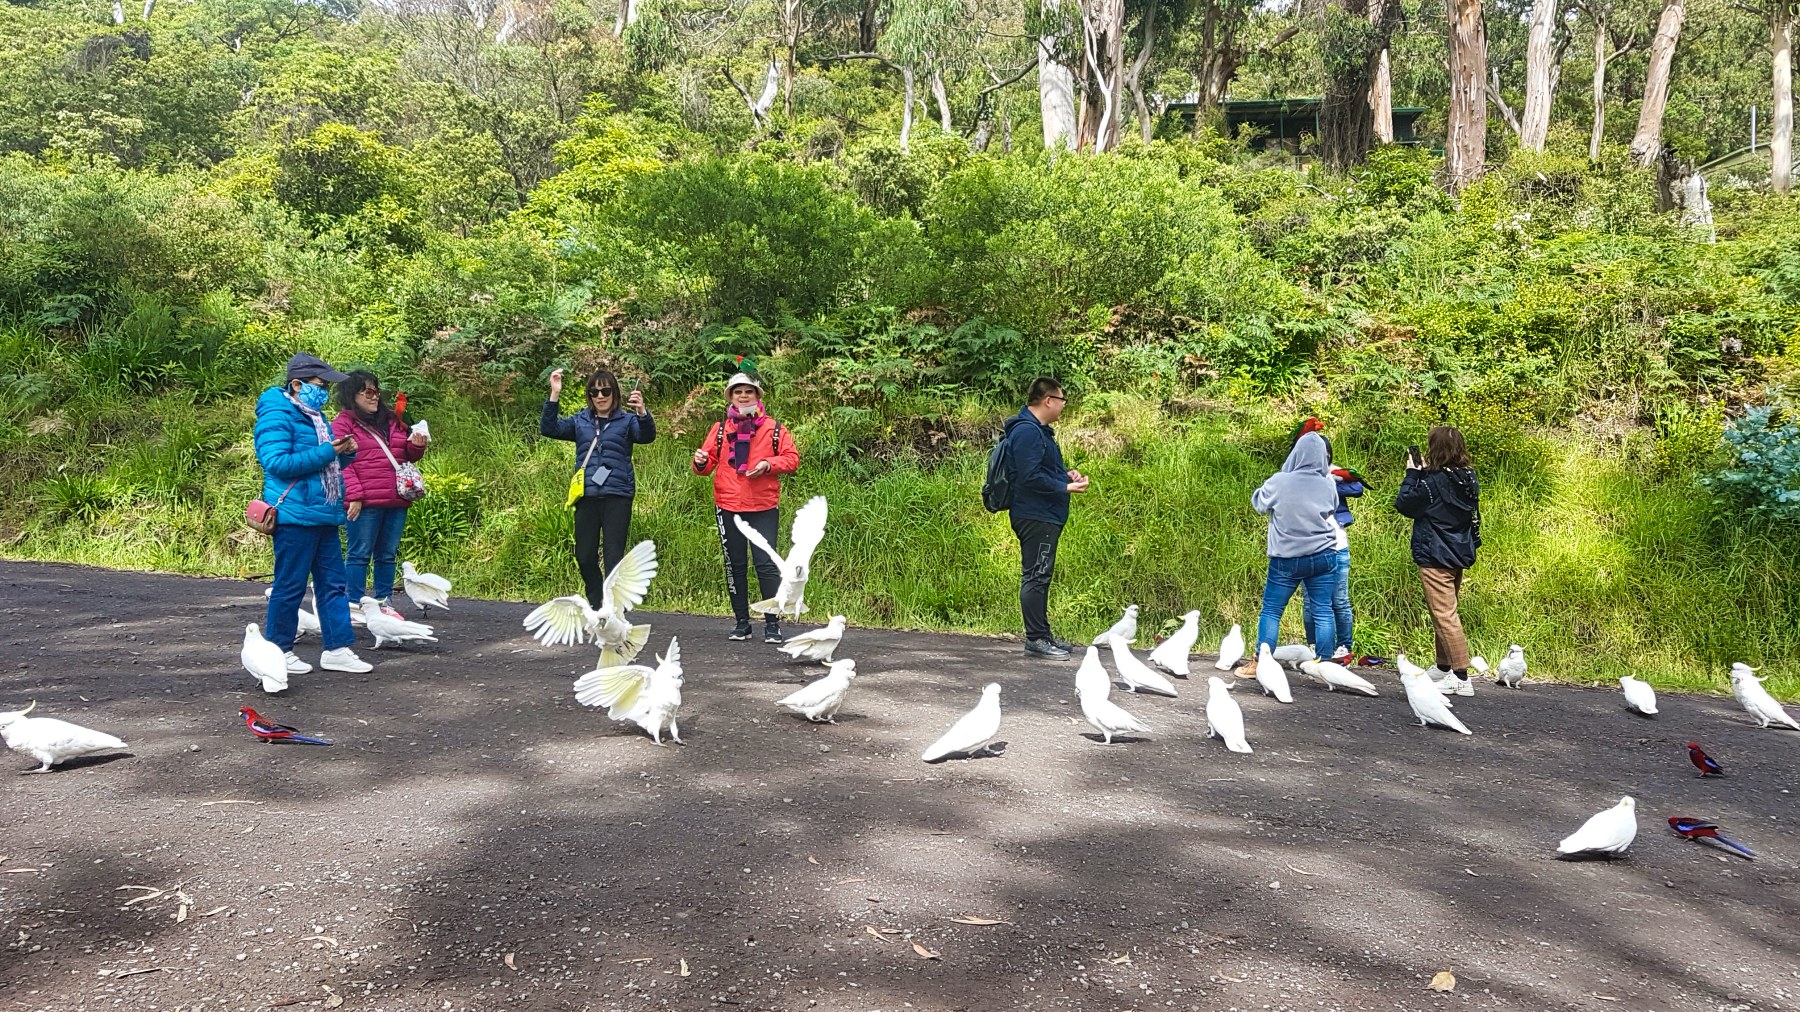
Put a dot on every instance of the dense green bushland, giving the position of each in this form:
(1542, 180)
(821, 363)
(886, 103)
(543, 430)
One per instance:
(462, 234)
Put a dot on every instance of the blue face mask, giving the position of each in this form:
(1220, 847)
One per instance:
(314, 396)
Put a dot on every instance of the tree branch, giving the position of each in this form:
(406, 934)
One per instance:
(877, 57)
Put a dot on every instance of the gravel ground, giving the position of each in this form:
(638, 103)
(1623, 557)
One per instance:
(477, 840)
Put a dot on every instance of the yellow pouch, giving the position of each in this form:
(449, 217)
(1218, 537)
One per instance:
(577, 485)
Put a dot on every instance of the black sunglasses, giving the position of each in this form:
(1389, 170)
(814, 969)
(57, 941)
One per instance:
(604, 392)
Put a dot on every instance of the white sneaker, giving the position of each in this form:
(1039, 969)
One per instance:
(1450, 685)
(295, 665)
(1443, 681)
(344, 659)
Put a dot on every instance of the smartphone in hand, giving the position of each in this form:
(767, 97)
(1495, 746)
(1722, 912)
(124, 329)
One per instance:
(1413, 460)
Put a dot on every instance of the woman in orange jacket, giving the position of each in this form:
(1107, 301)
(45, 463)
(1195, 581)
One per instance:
(746, 454)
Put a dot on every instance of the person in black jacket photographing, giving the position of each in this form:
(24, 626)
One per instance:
(1442, 496)
(1041, 486)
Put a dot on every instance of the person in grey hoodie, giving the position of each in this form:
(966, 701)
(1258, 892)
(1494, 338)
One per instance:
(1301, 501)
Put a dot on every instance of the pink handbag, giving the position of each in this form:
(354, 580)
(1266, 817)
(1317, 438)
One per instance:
(261, 516)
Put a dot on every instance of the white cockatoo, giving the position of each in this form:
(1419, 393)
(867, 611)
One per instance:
(1336, 676)
(1135, 673)
(648, 697)
(817, 645)
(1428, 704)
(306, 623)
(807, 531)
(388, 629)
(1271, 675)
(1405, 666)
(819, 700)
(1092, 689)
(266, 662)
(51, 741)
(1125, 628)
(1290, 655)
(1171, 654)
(427, 590)
(1756, 699)
(1511, 669)
(1224, 718)
(971, 730)
(1608, 833)
(1231, 649)
(569, 620)
(1639, 696)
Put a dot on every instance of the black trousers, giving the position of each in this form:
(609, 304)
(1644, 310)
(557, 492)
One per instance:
(602, 526)
(1037, 564)
(739, 553)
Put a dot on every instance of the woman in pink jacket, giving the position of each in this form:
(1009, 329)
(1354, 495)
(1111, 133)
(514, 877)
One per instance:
(377, 513)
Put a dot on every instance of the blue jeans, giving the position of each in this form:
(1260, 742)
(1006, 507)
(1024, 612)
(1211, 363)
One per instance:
(1316, 573)
(1340, 602)
(304, 551)
(374, 534)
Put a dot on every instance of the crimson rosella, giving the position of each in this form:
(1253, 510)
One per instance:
(269, 731)
(1707, 765)
(1700, 829)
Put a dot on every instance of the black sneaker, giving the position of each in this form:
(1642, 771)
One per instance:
(1046, 649)
(742, 632)
(1063, 643)
(771, 632)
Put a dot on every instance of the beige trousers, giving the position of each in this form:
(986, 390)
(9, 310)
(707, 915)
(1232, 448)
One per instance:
(1441, 589)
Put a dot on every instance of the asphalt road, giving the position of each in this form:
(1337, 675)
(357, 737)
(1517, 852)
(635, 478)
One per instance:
(477, 840)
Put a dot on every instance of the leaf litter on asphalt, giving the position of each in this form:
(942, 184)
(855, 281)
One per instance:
(925, 953)
(1443, 980)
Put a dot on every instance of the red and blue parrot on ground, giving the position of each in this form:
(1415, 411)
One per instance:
(1700, 829)
(269, 731)
(1707, 765)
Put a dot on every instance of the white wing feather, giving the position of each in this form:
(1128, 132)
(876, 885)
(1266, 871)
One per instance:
(565, 621)
(751, 535)
(630, 580)
(807, 532)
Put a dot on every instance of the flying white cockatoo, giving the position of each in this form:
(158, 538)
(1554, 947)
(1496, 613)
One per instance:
(648, 697)
(1428, 703)
(1747, 687)
(1290, 655)
(51, 741)
(1224, 718)
(971, 730)
(819, 700)
(305, 622)
(1511, 669)
(1336, 676)
(569, 620)
(1125, 628)
(1135, 673)
(1092, 689)
(1231, 649)
(1608, 832)
(427, 590)
(388, 629)
(1271, 675)
(1639, 696)
(266, 662)
(807, 531)
(1171, 654)
(817, 645)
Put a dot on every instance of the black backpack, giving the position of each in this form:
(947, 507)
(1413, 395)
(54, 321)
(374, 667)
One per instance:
(997, 487)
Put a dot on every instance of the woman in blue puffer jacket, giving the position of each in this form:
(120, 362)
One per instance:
(603, 433)
(303, 479)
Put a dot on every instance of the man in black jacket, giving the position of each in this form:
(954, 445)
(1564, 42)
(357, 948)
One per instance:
(1042, 485)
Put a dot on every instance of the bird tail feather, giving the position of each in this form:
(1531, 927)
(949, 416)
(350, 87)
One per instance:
(635, 640)
(1736, 846)
(768, 607)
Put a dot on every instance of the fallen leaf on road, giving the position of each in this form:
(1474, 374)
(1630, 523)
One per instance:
(1605, 997)
(971, 919)
(1302, 871)
(215, 910)
(684, 969)
(181, 915)
(509, 962)
(1468, 872)
(811, 859)
(209, 804)
(1229, 979)
(870, 928)
(323, 938)
(640, 959)
(147, 969)
(1116, 960)
(924, 952)
(152, 894)
(1443, 980)
(847, 881)
(19, 871)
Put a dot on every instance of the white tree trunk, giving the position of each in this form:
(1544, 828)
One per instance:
(1056, 91)
(1781, 142)
(1646, 145)
(771, 88)
(906, 109)
(148, 5)
(1103, 23)
(508, 26)
(1466, 146)
(1381, 99)
(118, 12)
(943, 100)
(628, 15)
(1134, 79)
(1600, 60)
(1534, 121)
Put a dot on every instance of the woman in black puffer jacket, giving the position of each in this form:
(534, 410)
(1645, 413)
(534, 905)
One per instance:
(1443, 497)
